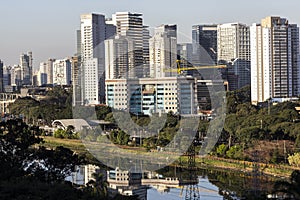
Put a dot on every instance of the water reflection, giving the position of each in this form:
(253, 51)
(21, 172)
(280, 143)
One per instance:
(177, 184)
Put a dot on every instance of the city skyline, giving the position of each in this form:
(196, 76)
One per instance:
(51, 33)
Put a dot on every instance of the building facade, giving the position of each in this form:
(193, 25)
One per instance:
(62, 73)
(153, 95)
(163, 51)
(1, 77)
(275, 68)
(119, 58)
(26, 65)
(131, 25)
(94, 31)
(234, 49)
(206, 37)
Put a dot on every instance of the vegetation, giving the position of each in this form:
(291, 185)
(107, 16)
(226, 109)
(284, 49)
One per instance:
(56, 105)
(30, 171)
(247, 128)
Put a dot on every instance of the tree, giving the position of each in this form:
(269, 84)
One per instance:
(294, 160)
(290, 188)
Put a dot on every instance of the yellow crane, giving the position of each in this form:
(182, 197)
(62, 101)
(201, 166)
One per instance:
(180, 69)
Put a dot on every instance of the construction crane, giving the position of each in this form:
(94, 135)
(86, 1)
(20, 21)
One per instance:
(180, 69)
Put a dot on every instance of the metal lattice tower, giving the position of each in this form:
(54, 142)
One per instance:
(192, 190)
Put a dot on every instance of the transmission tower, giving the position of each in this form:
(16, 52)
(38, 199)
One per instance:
(192, 190)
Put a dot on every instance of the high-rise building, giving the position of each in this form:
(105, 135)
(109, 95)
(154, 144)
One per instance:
(46, 69)
(146, 53)
(185, 53)
(163, 51)
(41, 75)
(6, 77)
(26, 68)
(62, 72)
(275, 66)
(78, 42)
(205, 36)
(76, 81)
(234, 48)
(131, 25)
(119, 58)
(1, 77)
(94, 30)
(49, 70)
(16, 76)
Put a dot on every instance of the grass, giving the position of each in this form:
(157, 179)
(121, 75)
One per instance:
(209, 162)
(74, 145)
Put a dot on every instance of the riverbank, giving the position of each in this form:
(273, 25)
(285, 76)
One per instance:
(278, 170)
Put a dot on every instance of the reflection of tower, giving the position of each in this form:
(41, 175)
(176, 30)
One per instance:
(127, 183)
(192, 191)
(255, 175)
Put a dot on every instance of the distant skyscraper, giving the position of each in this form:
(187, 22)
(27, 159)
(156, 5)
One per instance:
(26, 68)
(49, 70)
(234, 47)
(41, 76)
(16, 76)
(205, 36)
(78, 42)
(119, 57)
(62, 72)
(76, 81)
(163, 51)
(131, 25)
(6, 76)
(275, 66)
(1, 77)
(94, 31)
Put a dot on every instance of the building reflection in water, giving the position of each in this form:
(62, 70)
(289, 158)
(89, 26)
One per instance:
(129, 183)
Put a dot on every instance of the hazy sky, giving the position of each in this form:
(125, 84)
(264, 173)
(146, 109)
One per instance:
(47, 28)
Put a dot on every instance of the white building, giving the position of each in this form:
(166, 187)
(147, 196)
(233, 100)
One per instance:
(234, 47)
(275, 70)
(91, 86)
(62, 73)
(94, 31)
(163, 51)
(153, 95)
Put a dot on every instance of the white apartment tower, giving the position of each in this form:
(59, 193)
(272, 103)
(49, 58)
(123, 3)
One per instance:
(275, 69)
(163, 51)
(234, 47)
(94, 31)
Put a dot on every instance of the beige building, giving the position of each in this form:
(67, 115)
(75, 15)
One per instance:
(275, 69)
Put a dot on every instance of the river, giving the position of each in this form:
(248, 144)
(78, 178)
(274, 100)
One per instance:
(171, 183)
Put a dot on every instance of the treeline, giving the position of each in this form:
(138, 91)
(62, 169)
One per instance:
(246, 125)
(57, 104)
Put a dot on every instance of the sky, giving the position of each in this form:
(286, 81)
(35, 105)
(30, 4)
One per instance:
(48, 28)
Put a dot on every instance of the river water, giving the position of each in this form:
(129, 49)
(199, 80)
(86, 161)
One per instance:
(208, 184)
